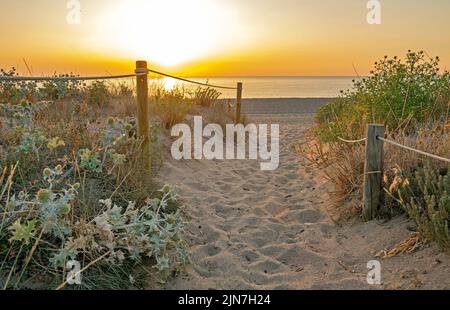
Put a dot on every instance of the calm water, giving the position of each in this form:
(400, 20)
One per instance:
(275, 87)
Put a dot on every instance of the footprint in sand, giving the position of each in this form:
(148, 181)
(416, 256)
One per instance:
(307, 216)
(248, 228)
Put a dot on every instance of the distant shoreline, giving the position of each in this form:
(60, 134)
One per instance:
(282, 105)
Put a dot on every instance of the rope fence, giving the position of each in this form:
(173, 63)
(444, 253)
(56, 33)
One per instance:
(373, 166)
(191, 81)
(352, 141)
(414, 150)
(399, 145)
(141, 74)
(110, 77)
(68, 78)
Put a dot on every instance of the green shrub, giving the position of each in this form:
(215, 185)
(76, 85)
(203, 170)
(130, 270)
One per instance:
(425, 195)
(397, 93)
(90, 160)
(122, 89)
(172, 110)
(49, 228)
(206, 97)
(171, 106)
(98, 94)
(55, 90)
(96, 206)
(15, 92)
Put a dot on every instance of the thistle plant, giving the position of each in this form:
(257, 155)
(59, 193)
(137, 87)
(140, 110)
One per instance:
(54, 90)
(116, 130)
(22, 232)
(125, 234)
(425, 196)
(132, 233)
(90, 160)
(54, 206)
(15, 91)
(117, 159)
(47, 218)
(22, 114)
(31, 142)
(21, 121)
(55, 143)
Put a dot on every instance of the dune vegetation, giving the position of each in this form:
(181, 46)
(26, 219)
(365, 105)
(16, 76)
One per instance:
(72, 187)
(411, 97)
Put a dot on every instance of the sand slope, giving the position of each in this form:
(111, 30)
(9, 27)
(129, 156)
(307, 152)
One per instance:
(251, 229)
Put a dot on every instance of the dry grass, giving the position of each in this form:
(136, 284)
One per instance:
(57, 133)
(174, 106)
(409, 245)
(343, 164)
(88, 149)
(171, 111)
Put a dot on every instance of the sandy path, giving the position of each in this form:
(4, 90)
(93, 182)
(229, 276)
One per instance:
(250, 229)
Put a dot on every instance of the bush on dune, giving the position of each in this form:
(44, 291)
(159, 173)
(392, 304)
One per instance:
(14, 92)
(206, 97)
(412, 98)
(398, 94)
(72, 187)
(425, 196)
(98, 94)
(173, 106)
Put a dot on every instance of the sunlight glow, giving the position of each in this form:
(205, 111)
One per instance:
(168, 32)
(169, 83)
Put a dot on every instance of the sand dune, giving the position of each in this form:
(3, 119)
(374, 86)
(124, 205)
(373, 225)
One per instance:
(251, 229)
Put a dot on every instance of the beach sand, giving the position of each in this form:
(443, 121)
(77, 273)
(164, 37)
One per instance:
(253, 229)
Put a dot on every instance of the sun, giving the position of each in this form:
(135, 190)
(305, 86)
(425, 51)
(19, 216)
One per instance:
(166, 32)
(169, 83)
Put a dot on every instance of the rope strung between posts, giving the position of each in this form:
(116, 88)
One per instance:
(140, 72)
(352, 141)
(185, 80)
(399, 145)
(67, 78)
(414, 150)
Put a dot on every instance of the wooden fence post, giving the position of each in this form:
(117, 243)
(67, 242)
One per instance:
(142, 101)
(373, 171)
(238, 103)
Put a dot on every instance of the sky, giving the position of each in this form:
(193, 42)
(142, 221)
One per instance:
(218, 37)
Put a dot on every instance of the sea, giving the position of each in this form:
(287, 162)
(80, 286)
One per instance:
(271, 87)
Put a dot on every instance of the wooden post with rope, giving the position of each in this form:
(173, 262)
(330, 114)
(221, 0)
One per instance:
(143, 117)
(373, 171)
(238, 103)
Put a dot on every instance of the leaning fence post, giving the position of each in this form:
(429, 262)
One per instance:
(238, 103)
(373, 171)
(142, 101)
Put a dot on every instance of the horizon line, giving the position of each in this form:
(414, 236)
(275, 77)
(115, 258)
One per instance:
(277, 76)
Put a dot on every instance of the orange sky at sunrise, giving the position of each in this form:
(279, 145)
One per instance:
(219, 37)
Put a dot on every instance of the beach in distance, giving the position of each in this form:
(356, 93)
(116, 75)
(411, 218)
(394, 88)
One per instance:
(283, 105)
(252, 229)
(272, 87)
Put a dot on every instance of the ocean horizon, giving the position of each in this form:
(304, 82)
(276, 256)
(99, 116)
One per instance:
(272, 87)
